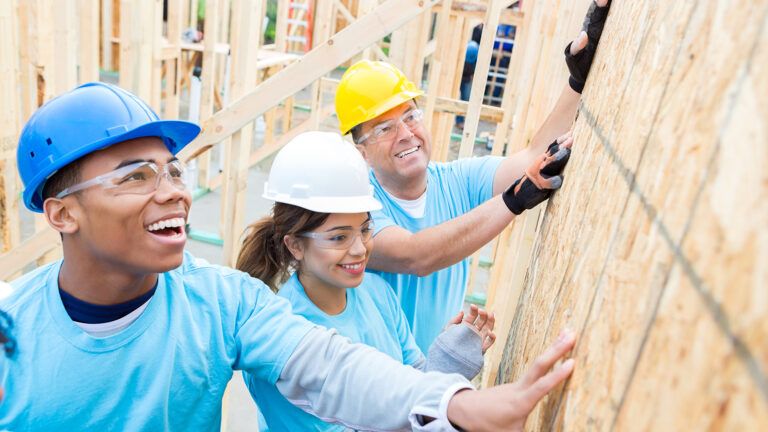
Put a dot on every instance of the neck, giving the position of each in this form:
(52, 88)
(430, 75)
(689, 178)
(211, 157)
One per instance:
(404, 188)
(329, 298)
(102, 283)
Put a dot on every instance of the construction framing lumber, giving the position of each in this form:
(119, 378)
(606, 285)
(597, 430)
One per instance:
(383, 20)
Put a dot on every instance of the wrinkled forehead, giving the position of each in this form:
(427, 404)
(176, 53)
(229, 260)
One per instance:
(394, 113)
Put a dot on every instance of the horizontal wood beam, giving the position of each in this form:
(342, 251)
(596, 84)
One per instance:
(359, 35)
(28, 252)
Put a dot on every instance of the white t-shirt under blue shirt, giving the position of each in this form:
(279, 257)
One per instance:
(453, 188)
(166, 371)
(372, 316)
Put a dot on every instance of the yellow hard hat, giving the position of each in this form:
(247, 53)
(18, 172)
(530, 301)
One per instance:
(368, 89)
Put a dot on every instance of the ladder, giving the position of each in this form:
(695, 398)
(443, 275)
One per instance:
(299, 26)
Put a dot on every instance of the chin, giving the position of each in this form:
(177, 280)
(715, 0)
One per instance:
(167, 263)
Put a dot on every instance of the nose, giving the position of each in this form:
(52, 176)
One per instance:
(403, 131)
(165, 191)
(358, 247)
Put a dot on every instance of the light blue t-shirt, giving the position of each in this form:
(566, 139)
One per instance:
(453, 188)
(372, 317)
(166, 371)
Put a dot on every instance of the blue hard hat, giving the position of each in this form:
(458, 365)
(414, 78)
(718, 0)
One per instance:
(91, 117)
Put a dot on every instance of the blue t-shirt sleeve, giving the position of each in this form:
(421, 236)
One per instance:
(478, 174)
(267, 331)
(381, 220)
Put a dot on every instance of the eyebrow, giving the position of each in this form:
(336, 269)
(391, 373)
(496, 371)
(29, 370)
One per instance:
(395, 118)
(133, 161)
(347, 227)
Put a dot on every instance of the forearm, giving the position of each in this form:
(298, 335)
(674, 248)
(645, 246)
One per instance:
(443, 245)
(558, 122)
(359, 387)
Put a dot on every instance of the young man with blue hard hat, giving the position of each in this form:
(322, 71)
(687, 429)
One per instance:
(436, 215)
(128, 332)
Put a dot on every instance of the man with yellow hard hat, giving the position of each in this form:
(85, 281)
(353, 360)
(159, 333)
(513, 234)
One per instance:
(436, 215)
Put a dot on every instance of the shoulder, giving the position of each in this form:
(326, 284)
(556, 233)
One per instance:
(378, 289)
(26, 289)
(203, 282)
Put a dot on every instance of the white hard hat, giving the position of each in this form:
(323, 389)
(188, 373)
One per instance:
(319, 171)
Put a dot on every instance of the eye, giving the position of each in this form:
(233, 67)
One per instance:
(382, 130)
(411, 117)
(366, 230)
(133, 177)
(338, 238)
(175, 171)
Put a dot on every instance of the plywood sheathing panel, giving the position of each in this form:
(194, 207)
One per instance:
(654, 251)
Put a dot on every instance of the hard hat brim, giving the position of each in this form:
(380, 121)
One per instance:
(392, 102)
(330, 204)
(176, 134)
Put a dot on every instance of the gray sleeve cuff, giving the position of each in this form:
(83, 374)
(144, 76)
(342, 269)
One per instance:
(459, 349)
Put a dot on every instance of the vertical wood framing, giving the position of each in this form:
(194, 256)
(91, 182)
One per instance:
(442, 124)
(65, 53)
(247, 31)
(9, 114)
(207, 81)
(481, 75)
(88, 45)
(140, 60)
(173, 64)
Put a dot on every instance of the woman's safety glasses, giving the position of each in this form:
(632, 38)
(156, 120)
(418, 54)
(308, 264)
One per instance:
(137, 178)
(340, 238)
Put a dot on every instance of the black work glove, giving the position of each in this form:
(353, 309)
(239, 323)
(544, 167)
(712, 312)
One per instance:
(524, 194)
(580, 63)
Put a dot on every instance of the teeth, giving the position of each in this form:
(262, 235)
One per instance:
(405, 153)
(352, 266)
(167, 223)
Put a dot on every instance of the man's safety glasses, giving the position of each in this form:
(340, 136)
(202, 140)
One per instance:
(387, 130)
(137, 178)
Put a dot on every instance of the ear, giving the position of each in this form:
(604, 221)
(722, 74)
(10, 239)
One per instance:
(61, 215)
(295, 246)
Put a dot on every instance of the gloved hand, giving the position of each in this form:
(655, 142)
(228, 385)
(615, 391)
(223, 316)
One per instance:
(540, 179)
(580, 53)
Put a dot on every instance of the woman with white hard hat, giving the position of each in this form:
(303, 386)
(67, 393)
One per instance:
(315, 246)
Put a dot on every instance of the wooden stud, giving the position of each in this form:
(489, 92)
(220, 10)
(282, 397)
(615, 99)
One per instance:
(480, 77)
(88, 48)
(207, 80)
(247, 31)
(173, 78)
(9, 119)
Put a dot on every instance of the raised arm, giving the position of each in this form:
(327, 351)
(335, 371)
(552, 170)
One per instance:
(401, 251)
(578, 57)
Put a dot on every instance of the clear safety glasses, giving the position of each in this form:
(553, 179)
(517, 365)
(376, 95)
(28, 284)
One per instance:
(387, 130)
(137, 178)
(340, 238)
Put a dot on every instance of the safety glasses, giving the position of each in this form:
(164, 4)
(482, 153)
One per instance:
(340, 238)
(387, 130)
(137, 178)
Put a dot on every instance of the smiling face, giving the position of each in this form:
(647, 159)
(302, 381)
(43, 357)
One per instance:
(320, 265)
(138, 233)
(402, 159)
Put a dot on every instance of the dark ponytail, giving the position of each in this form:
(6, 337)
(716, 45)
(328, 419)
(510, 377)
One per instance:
(264, 255)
